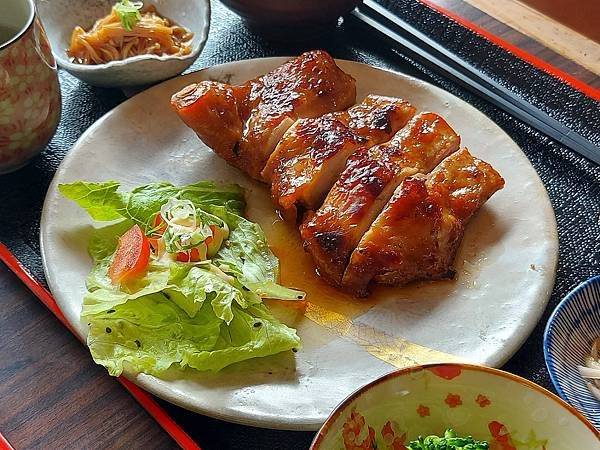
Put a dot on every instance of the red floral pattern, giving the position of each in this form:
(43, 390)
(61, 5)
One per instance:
(29, 97)
(411, 418)
(390, 433)
(356, 437)
(447, 372)
(502, 439)
(423, 411)
(453, 400)
(483, 401)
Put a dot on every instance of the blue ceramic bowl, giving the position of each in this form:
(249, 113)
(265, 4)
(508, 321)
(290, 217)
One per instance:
(574, 324)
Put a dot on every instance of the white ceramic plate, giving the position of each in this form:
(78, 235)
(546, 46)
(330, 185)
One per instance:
(506, 265)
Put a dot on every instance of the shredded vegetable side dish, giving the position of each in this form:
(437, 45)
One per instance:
(129, 30)
(178, 279)
(591, 370)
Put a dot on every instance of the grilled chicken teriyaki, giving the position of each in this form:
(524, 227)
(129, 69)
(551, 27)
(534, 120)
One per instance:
(417, 234)
(366, 184)
(372, 213)
(243, 124)
(313, 152)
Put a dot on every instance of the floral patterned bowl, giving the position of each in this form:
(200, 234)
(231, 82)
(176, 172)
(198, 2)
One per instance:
(509, 412)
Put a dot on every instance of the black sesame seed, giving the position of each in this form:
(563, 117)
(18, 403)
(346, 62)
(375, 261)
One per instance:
(138, 343)
(295, 350)
(108, 330)
(257, 324)
(110, 311)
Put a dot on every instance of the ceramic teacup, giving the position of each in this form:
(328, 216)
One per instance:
(29, 90)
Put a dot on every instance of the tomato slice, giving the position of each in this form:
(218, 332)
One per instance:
(159, 225)
(194, 255)
(215, 230)
(131, 257)
(154, 242)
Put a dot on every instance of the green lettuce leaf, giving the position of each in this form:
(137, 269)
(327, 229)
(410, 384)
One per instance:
(149, 335)
(104, 203)
(100, 200)
(189, 286)
(204, 315)
(248, 257)
(270, 289)
(252, 333)
(247, 251)
(152, 334)
(104, 295)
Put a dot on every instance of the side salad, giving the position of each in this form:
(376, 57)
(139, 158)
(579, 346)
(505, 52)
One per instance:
(178, 279)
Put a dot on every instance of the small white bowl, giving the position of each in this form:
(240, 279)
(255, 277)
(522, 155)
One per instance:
(60, 17)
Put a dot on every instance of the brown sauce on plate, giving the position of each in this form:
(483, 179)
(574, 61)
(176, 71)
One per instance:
(297, 270)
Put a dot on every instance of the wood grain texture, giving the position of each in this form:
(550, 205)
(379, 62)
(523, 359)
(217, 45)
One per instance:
(582, 16)
(552, 33)
(521, 40)
(52, 395)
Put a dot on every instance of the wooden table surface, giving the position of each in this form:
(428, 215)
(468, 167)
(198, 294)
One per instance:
(52, 395)
(574, 51)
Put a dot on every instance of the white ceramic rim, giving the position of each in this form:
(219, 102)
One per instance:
(196, 49)
(469, 367)
(162, 390)
(25, 27)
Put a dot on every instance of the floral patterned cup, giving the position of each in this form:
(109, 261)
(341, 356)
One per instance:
(29, 91)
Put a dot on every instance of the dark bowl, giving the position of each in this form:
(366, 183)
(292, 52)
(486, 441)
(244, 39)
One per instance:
(285, 13)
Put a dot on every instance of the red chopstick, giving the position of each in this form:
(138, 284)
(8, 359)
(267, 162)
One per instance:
(4, 444)
(142, 397)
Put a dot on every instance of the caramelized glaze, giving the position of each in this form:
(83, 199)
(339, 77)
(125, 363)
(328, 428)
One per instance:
(311, 155)
(417, 234)
(366, 184)
(307, 86)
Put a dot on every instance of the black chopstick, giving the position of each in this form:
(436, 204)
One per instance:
(432, 55)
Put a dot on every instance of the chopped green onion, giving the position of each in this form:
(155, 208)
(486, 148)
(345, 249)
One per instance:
(450, 441)
(128, 13)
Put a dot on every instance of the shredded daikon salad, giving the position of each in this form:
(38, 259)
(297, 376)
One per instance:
(591, 370)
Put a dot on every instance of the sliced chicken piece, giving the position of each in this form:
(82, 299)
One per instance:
(417, 234)
(313, 152)
(366, 184)
(213, 111)
(255, 116)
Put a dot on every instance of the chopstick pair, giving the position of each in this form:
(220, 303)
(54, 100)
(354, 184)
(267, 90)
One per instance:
(142, 397)
(432, 55)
